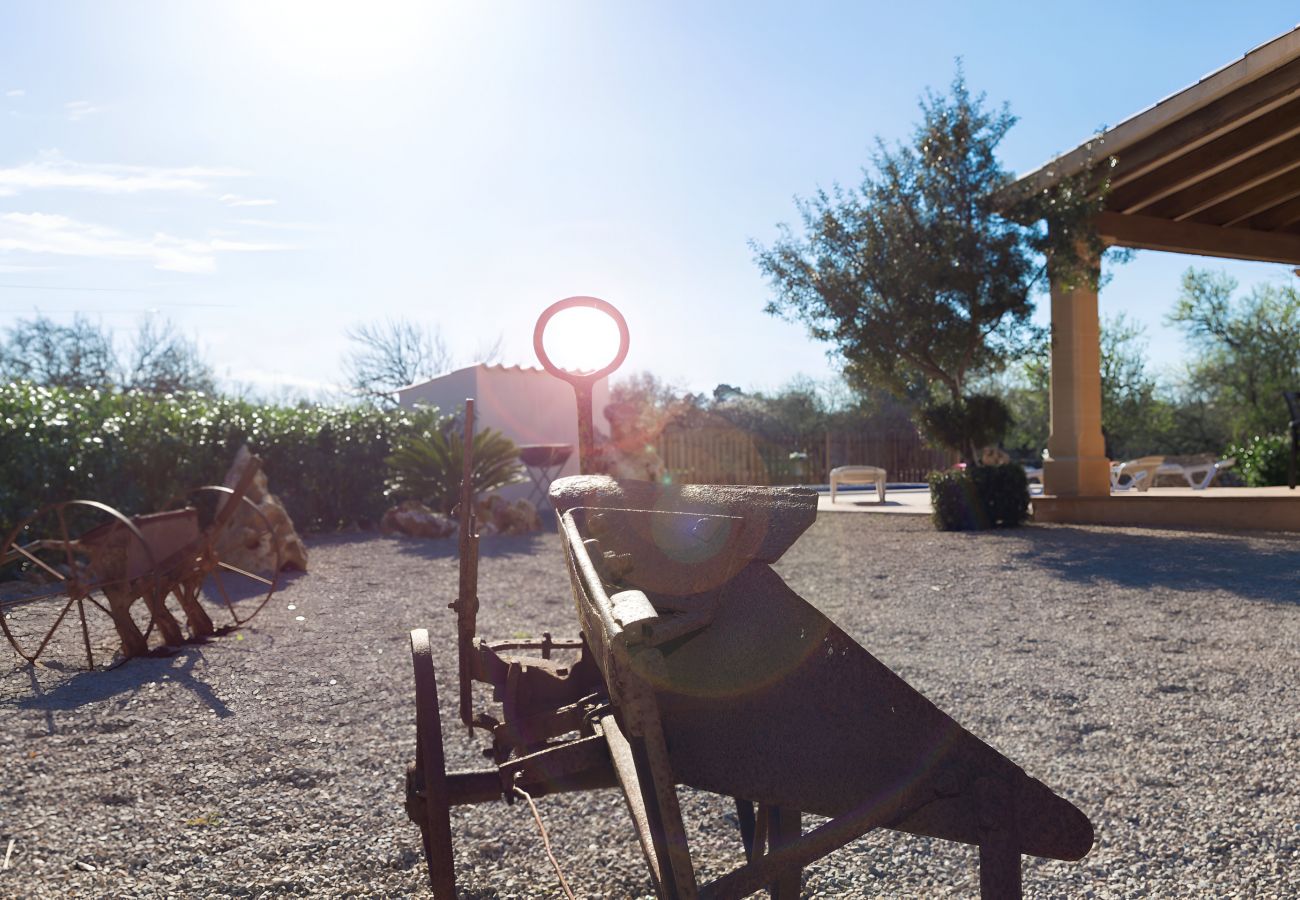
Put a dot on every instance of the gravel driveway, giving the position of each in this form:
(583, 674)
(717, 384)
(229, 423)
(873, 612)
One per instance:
(1148, 676)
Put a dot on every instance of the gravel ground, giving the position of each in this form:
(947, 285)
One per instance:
(1148, 676)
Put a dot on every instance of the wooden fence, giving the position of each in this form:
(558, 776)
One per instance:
(727, 455)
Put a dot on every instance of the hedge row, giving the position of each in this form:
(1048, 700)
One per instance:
(136, 451)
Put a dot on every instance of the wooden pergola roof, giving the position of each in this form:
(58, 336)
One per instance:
(1212, 170)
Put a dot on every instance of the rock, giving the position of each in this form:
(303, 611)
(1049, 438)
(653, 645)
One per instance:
(245, 543)
(496, 516)
(414, 519)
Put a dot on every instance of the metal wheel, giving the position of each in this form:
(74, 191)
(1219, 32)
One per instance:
(80, 565)
(428, 801)
(236, 563)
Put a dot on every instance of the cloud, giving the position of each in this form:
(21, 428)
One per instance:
(47, 233)
(77, 110)
(280, 226)
(236, 200)
(16, 92)
(52, 171)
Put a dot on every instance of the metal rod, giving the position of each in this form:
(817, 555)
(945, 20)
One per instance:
(466, 604)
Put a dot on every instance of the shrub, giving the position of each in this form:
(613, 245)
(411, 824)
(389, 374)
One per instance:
(967, 425)
(428, 463)
(136, 451)
(1263, 460)
(979, 497)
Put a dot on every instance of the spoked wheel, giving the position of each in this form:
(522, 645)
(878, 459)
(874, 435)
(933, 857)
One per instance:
(427, 798)
(69, 576)
(236, 562)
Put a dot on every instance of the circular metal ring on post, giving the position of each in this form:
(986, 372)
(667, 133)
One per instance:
(581, 303)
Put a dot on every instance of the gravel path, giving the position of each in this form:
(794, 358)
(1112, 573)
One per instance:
(1148, 676)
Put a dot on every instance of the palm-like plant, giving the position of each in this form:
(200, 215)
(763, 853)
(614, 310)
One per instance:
(427, 465)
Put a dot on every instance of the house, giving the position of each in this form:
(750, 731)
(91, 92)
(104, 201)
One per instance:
(526, 404)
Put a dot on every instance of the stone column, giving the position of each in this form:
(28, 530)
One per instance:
(1076, 465)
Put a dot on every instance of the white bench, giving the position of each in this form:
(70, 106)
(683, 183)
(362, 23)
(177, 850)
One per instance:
(858, 475)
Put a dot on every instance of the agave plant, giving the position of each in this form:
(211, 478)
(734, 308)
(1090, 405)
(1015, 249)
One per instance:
(427, 465)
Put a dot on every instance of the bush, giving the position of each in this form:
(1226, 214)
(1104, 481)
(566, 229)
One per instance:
(979, 497)
(136, 451)
(427, 464)
(1263, 460)
(967, 425)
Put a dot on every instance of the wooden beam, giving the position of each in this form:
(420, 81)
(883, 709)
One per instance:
(1233, 146)
(1225, 184)
(1148, 233)
(1249, 203)
(1276, 218)
(1256, 66)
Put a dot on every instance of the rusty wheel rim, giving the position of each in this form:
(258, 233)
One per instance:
(240, 592)
(435, 827)
(41, 550)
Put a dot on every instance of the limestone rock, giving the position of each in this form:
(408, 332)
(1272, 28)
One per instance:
(414, 519)
(245, 542)
(496, 516)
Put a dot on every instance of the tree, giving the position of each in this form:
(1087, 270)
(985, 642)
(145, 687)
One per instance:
(392, 353)
(78, 355)
(1248, 348)
(915, 276)
(85, 355)
(922, 276)
(163, 361)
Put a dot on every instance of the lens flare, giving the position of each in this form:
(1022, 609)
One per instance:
(581, 339)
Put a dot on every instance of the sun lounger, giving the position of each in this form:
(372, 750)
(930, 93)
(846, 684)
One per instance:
(858, 475)
(1136, 474)
(1198, 475)
(1142, 473)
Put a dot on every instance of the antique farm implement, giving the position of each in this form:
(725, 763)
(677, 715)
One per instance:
(76, 569)
(696, 665)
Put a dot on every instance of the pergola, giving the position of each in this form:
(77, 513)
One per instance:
(1213, 170)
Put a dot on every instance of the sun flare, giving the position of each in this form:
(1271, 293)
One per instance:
(581, 339)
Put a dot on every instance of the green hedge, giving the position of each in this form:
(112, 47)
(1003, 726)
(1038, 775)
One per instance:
(1263, 460)
(135, 451)
(979, 497)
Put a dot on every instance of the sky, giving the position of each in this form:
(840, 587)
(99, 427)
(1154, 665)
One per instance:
(267, 174)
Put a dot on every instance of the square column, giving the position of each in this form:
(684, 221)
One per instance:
(1076, 465)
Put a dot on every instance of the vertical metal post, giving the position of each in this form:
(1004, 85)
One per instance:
(586, 429)
(466, 604)
(785, 827)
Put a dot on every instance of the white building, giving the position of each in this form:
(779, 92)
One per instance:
(527, 405)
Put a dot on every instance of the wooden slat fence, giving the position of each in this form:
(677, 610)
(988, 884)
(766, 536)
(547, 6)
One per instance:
(726, 455)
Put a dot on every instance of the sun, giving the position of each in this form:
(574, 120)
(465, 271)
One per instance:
(581, 339)
(341, 37)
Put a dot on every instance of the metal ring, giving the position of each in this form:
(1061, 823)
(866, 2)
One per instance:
(588, 303)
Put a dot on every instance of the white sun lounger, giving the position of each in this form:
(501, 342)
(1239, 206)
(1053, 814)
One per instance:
(1142, 473)
(858, 475)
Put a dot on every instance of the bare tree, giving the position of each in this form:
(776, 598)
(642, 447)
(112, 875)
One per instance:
(392, 353)
(84, 354)
(79, 355)
(163, 361)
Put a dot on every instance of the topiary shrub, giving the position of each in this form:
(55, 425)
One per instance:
(980, 497)
(1263, 460)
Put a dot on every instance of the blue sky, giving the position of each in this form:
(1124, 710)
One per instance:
(267, 174)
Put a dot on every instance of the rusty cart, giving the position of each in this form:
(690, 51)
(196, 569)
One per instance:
(71, 573)
(695, 664)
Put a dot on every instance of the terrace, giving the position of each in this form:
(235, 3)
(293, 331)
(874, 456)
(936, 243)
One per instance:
(1211, 170)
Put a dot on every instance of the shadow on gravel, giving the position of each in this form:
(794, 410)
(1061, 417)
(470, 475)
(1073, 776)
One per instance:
(494, 545)
(490, 546)
(1178, 561)
(93, 687)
